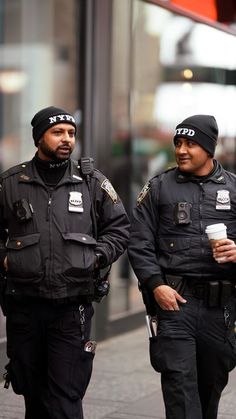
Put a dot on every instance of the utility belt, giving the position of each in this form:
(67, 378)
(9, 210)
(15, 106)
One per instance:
(11, 300)
(215, 293)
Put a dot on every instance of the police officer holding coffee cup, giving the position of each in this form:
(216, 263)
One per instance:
(189, 277)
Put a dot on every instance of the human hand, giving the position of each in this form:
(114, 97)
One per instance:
(224, 251)
(167, 298)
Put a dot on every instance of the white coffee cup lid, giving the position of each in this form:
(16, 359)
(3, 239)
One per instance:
(215, 227)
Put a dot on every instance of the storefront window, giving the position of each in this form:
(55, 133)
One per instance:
(38, 68)
(175, 77)
(124, 295)
(166, 67)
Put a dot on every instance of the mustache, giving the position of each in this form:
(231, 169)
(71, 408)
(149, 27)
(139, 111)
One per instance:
(64, 147)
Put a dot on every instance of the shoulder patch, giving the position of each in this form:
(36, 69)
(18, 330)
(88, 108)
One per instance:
(107, 186)
(143, 193)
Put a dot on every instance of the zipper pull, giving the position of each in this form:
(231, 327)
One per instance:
(49, 208)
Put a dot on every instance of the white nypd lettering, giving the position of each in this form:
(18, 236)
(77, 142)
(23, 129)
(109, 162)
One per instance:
(59, 118)
(69, 118)
(52, 119)
(185, 131)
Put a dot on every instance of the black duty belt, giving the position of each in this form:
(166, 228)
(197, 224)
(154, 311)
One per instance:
(22, 299)
(214, 292)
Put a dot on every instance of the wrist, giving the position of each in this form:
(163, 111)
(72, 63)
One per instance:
(100, 260)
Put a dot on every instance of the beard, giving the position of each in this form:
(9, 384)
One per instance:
(59, 153)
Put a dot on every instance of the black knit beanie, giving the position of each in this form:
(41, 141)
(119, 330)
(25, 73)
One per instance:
(201, 129)
(46, 118)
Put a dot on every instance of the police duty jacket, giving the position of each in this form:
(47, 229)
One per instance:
(47, 235)
(168, 226)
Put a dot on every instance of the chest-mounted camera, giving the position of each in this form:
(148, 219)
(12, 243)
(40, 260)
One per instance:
(182, 213)
(23, 210)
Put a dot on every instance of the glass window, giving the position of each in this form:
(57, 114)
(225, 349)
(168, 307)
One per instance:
(175, 77)
(165, 67)
(39, 50)
(38, 68)
(124, 295)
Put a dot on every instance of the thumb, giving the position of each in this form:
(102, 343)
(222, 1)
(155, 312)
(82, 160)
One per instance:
(180, 298)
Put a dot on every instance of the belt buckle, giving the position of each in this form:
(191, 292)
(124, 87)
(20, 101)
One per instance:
(199, 291)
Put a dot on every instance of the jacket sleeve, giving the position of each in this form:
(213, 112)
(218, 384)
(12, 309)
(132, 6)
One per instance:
(113, 226)
(142, 251)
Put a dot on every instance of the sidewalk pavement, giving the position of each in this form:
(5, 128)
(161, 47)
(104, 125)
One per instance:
(123, 385)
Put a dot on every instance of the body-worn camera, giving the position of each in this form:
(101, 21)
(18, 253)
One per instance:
(101, 289)
(182, 213)
(23, 210)
(101, 283)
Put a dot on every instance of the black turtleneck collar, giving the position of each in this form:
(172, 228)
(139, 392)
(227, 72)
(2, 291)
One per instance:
(50, 171)
(189, 177)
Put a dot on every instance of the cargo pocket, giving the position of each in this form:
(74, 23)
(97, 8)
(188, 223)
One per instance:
(231, 340)
(24, 258)
(14, 376)
(86, 368)
(172, 251)
(79, 254)
(154, 353)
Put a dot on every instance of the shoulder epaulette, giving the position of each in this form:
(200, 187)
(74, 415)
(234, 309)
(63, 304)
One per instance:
(169, 169)
(14, 170)
(95, 173)
(98, 175)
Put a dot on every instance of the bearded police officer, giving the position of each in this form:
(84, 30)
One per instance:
(59, 223)
(193, 346)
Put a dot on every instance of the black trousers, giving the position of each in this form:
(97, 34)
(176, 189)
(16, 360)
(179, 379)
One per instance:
(194, 350)
(48, 364)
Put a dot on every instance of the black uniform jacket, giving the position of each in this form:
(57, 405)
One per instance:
(52, 254)
(164, 241)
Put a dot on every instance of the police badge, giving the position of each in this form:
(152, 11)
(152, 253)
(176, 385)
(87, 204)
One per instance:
(75, 202)
(223, 200)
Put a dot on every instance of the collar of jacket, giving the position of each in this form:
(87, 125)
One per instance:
(29, 173)
(217, 176)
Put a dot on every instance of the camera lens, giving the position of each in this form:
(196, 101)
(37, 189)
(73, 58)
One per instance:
(21, 212)
(182, 215)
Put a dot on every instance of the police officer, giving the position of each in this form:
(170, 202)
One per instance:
(194, 295)
(50, 209)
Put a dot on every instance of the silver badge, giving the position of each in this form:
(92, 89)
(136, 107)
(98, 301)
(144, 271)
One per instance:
(75, 202)
(223, 200)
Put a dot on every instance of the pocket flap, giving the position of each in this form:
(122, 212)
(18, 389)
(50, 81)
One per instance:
(20, 242)
(79, 237)
(174, 244)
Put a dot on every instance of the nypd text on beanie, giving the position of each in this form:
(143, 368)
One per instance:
(46, 118)
(201, 129)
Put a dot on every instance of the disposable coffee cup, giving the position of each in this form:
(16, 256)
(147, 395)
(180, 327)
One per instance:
(216, 232)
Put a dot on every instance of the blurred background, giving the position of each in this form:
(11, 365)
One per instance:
(129, 71)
